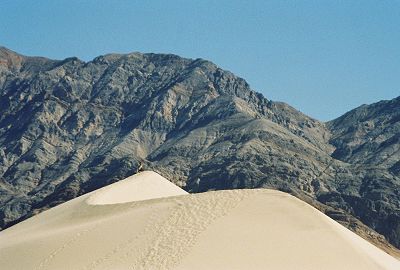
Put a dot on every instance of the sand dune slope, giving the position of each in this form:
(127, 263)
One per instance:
(145, 222)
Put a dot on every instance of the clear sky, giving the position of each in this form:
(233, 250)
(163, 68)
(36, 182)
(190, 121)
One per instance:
(322, 57)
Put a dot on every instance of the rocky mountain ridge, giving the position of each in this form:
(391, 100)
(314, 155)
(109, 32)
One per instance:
(68, 127)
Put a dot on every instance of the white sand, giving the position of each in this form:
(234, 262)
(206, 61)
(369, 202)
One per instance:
(145, 222)
(144, 186)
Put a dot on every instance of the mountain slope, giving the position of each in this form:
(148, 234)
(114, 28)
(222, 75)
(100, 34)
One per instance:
(69, 127)
(368, 137)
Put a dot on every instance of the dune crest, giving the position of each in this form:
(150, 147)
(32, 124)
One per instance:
(142, 223)
(139, 187)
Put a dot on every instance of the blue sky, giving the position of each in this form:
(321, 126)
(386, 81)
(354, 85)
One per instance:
(322, 57)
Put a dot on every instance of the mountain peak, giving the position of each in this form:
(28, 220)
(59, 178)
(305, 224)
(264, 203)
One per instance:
(10, 59)
(4, 51)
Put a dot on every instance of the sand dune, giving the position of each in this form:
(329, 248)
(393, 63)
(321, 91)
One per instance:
(144, 186)
(145, 222)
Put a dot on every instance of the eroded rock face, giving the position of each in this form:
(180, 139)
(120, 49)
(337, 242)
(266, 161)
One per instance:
(69, 127)
(368, 137)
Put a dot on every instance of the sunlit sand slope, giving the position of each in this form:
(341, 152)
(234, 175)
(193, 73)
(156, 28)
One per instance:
(146, 222)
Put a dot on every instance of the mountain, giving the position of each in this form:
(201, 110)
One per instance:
(69, 127)
(369, 135)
